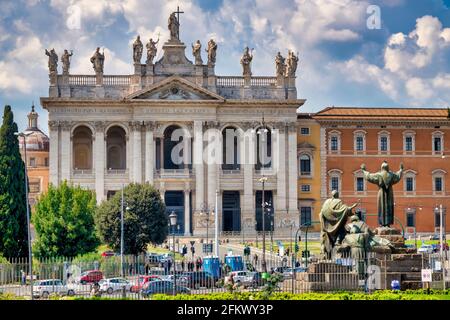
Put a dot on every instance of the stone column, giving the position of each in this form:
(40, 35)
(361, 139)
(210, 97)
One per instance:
(54, 152)
(248, 153)
(198, 165)
(99, 160)
(136, 126)
(323, 163)
(213, 161)
(280, 142)
(65, 150)
(149, 151)
(292, 168)
(187, 213)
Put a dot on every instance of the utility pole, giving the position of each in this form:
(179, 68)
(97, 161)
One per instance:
(441, 247)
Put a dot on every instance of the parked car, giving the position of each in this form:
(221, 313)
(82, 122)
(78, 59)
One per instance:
(434, 237)
(163, 287)
(181, 280)
(90, 276)
(289, 272)
(143, 280)
(244, 278)
(114, 284)
(257, 280)
(197, 279)
(426, 248)
(43, 288)
(108, 253)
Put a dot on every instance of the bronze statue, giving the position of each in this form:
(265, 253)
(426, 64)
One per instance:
(212, 48)
(98, 60)
(384, 179)
(196, 52)
(246, 61)
(52, 61)
(333, 218)
(137, 50)
(65, 59)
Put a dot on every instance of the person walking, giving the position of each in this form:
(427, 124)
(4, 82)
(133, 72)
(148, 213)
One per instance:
(23, 276)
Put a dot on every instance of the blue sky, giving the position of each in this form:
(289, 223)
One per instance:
(405, 62)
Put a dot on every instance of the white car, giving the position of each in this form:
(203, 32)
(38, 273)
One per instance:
(425, 248)
(244, 278)
(114, 284)
(43, 288)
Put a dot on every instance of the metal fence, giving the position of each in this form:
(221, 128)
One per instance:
(140, 277)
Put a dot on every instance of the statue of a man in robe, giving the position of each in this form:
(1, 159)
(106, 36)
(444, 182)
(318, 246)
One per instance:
(52, 61)
(197, 53)
(151, 50)
(333, 218)
(246, 61)
(138, 47)
(279, 63)
(384, 179)
(98, 60)
(291, 64)
(174, 27)
(212, 48)
(65, 59)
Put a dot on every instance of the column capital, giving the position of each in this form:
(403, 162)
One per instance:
(53, 125)
(150, 125)
(292, 127)
(211, 125)
(135, 125)
(99, 125)
(66, 125)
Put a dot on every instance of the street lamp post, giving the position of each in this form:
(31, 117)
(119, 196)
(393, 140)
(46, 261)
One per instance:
(216, 226)
(263, 207)
(173, 222)
(122, 232)
(30, 255)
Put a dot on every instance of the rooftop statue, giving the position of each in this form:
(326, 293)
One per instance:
(385, 180)
(98, 60)
(333, 218)
(65, 59)
(246, 61)
(174, 27)
(291, 64)
(196, 52)
(52, 61)
(212, 48)
(137, 50)
(151, 50)
(279, 63)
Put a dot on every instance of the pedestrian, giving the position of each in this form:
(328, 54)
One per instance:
(23, 277)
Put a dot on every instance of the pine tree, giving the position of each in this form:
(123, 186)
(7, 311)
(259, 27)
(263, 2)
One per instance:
(13, 227)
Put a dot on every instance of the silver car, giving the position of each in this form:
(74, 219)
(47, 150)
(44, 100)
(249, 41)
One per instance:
(114, 284)
(43, 288)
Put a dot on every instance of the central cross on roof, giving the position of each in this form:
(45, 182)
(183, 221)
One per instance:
(178, 13)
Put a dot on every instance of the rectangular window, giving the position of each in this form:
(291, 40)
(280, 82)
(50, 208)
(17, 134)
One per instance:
(304, 131)
(360, 184)
(408, 144)
(334, 144)
(305, 165)
(410, 220)
(438, 184)
(46, 162)
(334, 183)
(306, 187)
(383, 144)
(32, 162)
(437, 219)
(409, 184)
(437, 144)
(305, 215)
(359, 143)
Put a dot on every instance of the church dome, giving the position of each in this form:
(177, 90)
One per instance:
(36, 140)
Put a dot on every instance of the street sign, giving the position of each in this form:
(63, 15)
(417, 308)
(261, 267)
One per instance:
(192, 242)
(427, 275)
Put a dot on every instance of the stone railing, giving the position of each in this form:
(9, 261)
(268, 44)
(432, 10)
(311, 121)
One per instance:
(90, 80)
(82, 80)
(231, 171)
(82, 172)
(122, 80)
(116, 171)
(173, 173)
(232, 81)
(263, 81)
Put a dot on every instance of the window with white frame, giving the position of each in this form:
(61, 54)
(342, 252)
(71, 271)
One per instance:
(305, 215)
(438, 180)
(360, 184)
(409, 143)
(437, 217)
(305, 165)
(410, 219)
(383, 142)
(438, 142)
(304, 131)
(410, 181)
(359, 141)
(305, 188)
(334, 141)
(335, 179)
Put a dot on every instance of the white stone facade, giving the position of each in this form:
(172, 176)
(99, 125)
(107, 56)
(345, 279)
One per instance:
(126, 118)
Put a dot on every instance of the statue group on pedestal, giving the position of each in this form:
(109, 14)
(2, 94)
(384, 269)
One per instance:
(337, 236)
(286, 67)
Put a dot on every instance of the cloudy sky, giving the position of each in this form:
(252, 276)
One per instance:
(346, 58)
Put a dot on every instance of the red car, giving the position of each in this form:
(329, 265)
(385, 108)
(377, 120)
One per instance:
(143, 280)
(91, 276)
(108, 253)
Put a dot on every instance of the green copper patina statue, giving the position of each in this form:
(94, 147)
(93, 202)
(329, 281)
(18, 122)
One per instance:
(333, 218)
(384, 179)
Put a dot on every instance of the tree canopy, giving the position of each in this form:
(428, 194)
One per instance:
(64, 222)
(13, 218)
(145, 221)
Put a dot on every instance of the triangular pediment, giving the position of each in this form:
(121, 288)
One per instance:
(175, 88)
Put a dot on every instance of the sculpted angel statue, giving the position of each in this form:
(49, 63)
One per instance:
(385, 180)
(137, 50)
(52, 60)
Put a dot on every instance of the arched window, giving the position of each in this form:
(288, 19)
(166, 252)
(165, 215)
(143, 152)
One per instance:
(116, 148)
(263, 148)
(175, 148)
(230, 149)
(305, 165)
(82, 148)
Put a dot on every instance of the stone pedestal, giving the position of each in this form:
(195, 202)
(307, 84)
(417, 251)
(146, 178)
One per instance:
(393, 235)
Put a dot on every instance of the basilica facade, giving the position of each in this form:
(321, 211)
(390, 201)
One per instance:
(107, 131)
